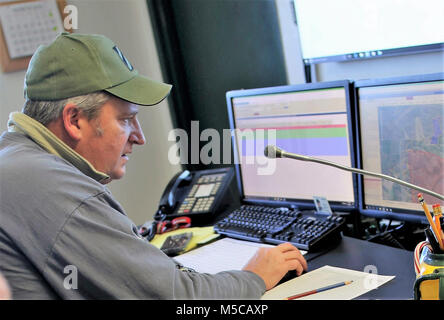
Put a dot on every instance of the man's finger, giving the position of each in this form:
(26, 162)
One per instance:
(292, 252)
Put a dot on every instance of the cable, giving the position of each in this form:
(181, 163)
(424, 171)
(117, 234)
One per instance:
(417, 255)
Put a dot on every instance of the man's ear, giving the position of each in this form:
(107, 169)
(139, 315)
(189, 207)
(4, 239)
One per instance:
(71, 116)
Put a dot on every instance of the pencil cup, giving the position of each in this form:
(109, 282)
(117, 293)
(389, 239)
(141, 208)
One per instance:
(429, 268)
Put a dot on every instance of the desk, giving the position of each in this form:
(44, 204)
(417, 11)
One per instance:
(356, 254)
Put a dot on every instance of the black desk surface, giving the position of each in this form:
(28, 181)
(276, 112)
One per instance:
(357, 254)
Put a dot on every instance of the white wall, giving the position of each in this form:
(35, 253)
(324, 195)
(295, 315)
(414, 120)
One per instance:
(11, 95)
(127, 23)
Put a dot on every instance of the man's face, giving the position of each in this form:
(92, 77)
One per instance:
(108, 140)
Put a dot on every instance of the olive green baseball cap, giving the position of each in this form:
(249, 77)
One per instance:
(78, 64)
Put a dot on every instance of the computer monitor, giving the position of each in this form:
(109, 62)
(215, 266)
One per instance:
(400, 133)
(309, 119)
(344, 30)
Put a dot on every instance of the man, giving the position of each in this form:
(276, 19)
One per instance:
(62, 234)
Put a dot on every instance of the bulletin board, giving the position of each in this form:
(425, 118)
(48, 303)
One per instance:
(24, 25)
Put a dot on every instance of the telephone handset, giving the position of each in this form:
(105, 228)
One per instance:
(168, 199)
(195, 194)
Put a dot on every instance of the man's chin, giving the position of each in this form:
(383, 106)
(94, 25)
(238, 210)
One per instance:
(116, 175)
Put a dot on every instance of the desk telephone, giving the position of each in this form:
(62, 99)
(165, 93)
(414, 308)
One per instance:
(198, 195)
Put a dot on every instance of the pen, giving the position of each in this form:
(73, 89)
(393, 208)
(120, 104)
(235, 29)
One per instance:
(300, 295)
(431, 222)
(432, 240)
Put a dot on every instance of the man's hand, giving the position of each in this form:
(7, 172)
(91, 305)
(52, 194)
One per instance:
(271, 264)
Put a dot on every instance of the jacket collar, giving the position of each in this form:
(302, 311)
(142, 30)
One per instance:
(19, 122)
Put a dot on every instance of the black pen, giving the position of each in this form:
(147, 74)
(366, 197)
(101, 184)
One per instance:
(432, 240)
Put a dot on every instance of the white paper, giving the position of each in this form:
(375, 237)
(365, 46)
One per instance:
(362, 282)
(28, 25)
(221, 255)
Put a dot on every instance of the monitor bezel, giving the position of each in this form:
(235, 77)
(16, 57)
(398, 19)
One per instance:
(398, 214)
(381, 53)
(302, 204)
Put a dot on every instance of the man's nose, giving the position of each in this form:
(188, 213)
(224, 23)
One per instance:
(137, 135)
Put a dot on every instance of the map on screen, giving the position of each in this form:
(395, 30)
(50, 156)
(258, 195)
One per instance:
(402, 135)
(413, 151)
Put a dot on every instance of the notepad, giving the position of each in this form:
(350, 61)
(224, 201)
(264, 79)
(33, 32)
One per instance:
(221, 255)
(363, 282)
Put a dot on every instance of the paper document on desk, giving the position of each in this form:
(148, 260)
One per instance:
(327, 275)
(221, 255)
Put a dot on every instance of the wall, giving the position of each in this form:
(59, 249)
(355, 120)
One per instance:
(148, 171)
(11, 95)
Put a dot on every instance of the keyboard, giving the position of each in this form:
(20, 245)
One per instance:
(306, 230)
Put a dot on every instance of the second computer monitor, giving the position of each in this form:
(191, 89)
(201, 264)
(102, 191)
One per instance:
(400, 130)
(308, 119)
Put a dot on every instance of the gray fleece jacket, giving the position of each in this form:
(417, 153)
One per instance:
(63, 235)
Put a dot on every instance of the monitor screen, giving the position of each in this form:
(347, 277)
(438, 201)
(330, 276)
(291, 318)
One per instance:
(309, 119)
(360, 29)
(400, 124)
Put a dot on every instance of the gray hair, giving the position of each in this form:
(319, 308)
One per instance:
(47, 111)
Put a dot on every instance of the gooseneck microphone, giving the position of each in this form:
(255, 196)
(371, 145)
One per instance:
(272, 152)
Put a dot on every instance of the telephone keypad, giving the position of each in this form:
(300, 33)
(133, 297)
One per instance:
(186, 205)
(202, 203)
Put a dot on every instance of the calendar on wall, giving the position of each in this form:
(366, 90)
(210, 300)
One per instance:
(25, 26)
(28, 25)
